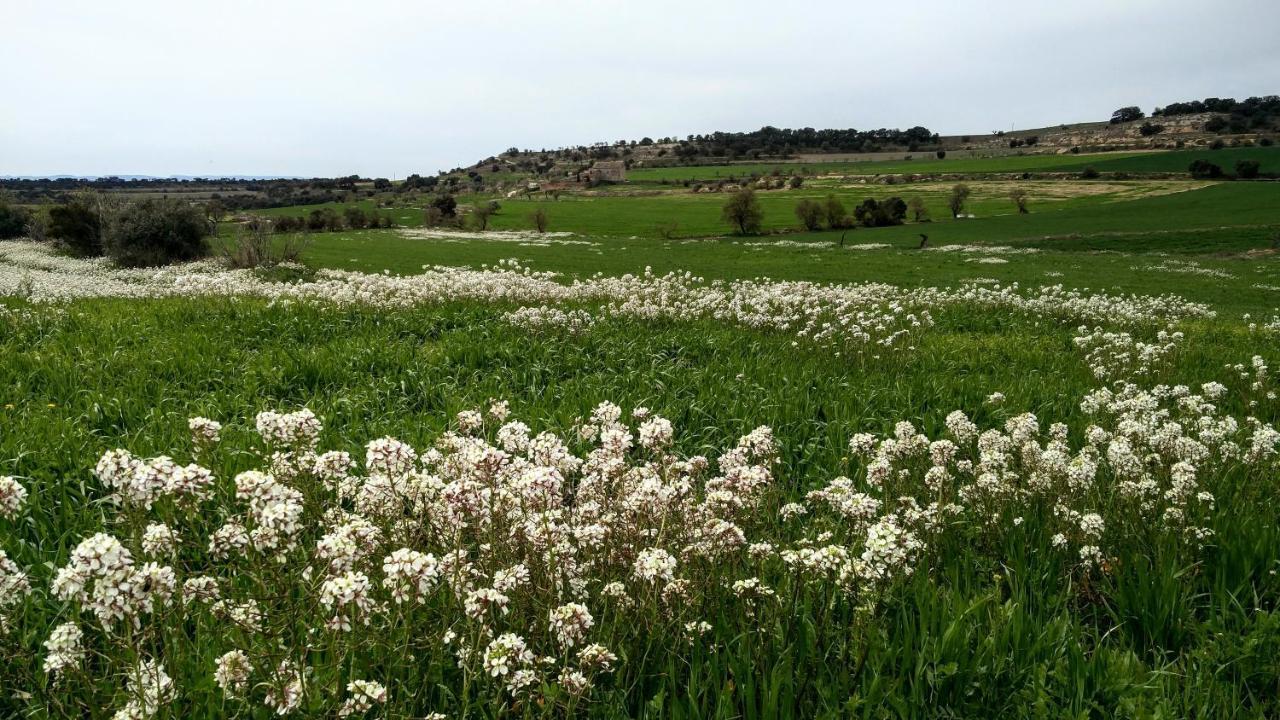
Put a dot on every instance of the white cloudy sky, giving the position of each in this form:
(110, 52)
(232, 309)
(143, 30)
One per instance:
(384, 88)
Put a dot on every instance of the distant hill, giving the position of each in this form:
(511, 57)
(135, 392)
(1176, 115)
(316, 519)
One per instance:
(177, 178)
(1197, 123)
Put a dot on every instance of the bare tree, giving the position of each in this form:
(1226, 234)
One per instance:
(1019, 197)
(539, 220)
(959, 196)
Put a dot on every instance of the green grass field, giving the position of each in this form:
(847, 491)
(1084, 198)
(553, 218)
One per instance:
(1116, 555)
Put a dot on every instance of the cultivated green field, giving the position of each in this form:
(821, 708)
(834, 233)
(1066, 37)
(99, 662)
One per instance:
(1173, 161)
(1096, 536)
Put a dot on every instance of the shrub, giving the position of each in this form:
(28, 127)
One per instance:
(1149, 128)
(77, 227)
(959, 196)
(1215, 124)
(355, 217)
(836, 215)
(743, 212)
(810, 214)
(253, 246)
(1247, 169)
(13, 220)
(941, 154)
(795, 182)
(446, 204)
(1266, 142)
(156, 232)
(919, 212)
(1217, 145)
(1089, 173)
(288, 224)
(1203, 169)
(881, 214)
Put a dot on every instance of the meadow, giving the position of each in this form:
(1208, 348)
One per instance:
(1029, 471)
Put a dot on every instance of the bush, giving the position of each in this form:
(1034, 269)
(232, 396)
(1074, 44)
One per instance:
(77, 227)
(1089, 173)
(156, 232)
(941, 154)
(253, 247)
(1215, 124)
(1149, 128)
(356, 219)
(1203, 169)
(743, 212)
(881, 214)
(835, 213)
(810, 214)
(446, 204)
(1217, 145)
(1247, 169)
(919, 212)
(795, 182)
(13, 221)
(1266, 142)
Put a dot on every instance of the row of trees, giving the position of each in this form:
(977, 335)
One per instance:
(352, 217)
(745, 215)
(1206, 170)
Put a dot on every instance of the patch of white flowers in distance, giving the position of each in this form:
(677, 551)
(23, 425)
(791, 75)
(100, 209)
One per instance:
(874, 316)
(527, 557)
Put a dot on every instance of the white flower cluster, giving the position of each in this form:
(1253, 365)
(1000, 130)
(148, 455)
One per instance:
(869, 315)
(528, 555)
(1118, 356)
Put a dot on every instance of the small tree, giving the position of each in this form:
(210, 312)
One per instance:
(381, 184)
(1149, 128)
(481, 213)
(796, 181)
(1126, 114)
(836, 215)
(810, 214)
(13, 220)
(539, 220)
(743, 212)
(941, 154)
(1019, 197)
(919, 212)
(156, 232)
(447, 204)
(1247, 169)
(215, 211)
(959, 196)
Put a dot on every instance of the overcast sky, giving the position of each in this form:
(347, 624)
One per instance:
(390, 88)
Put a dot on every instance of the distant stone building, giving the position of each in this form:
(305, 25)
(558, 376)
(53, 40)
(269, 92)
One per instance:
(610, 171)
